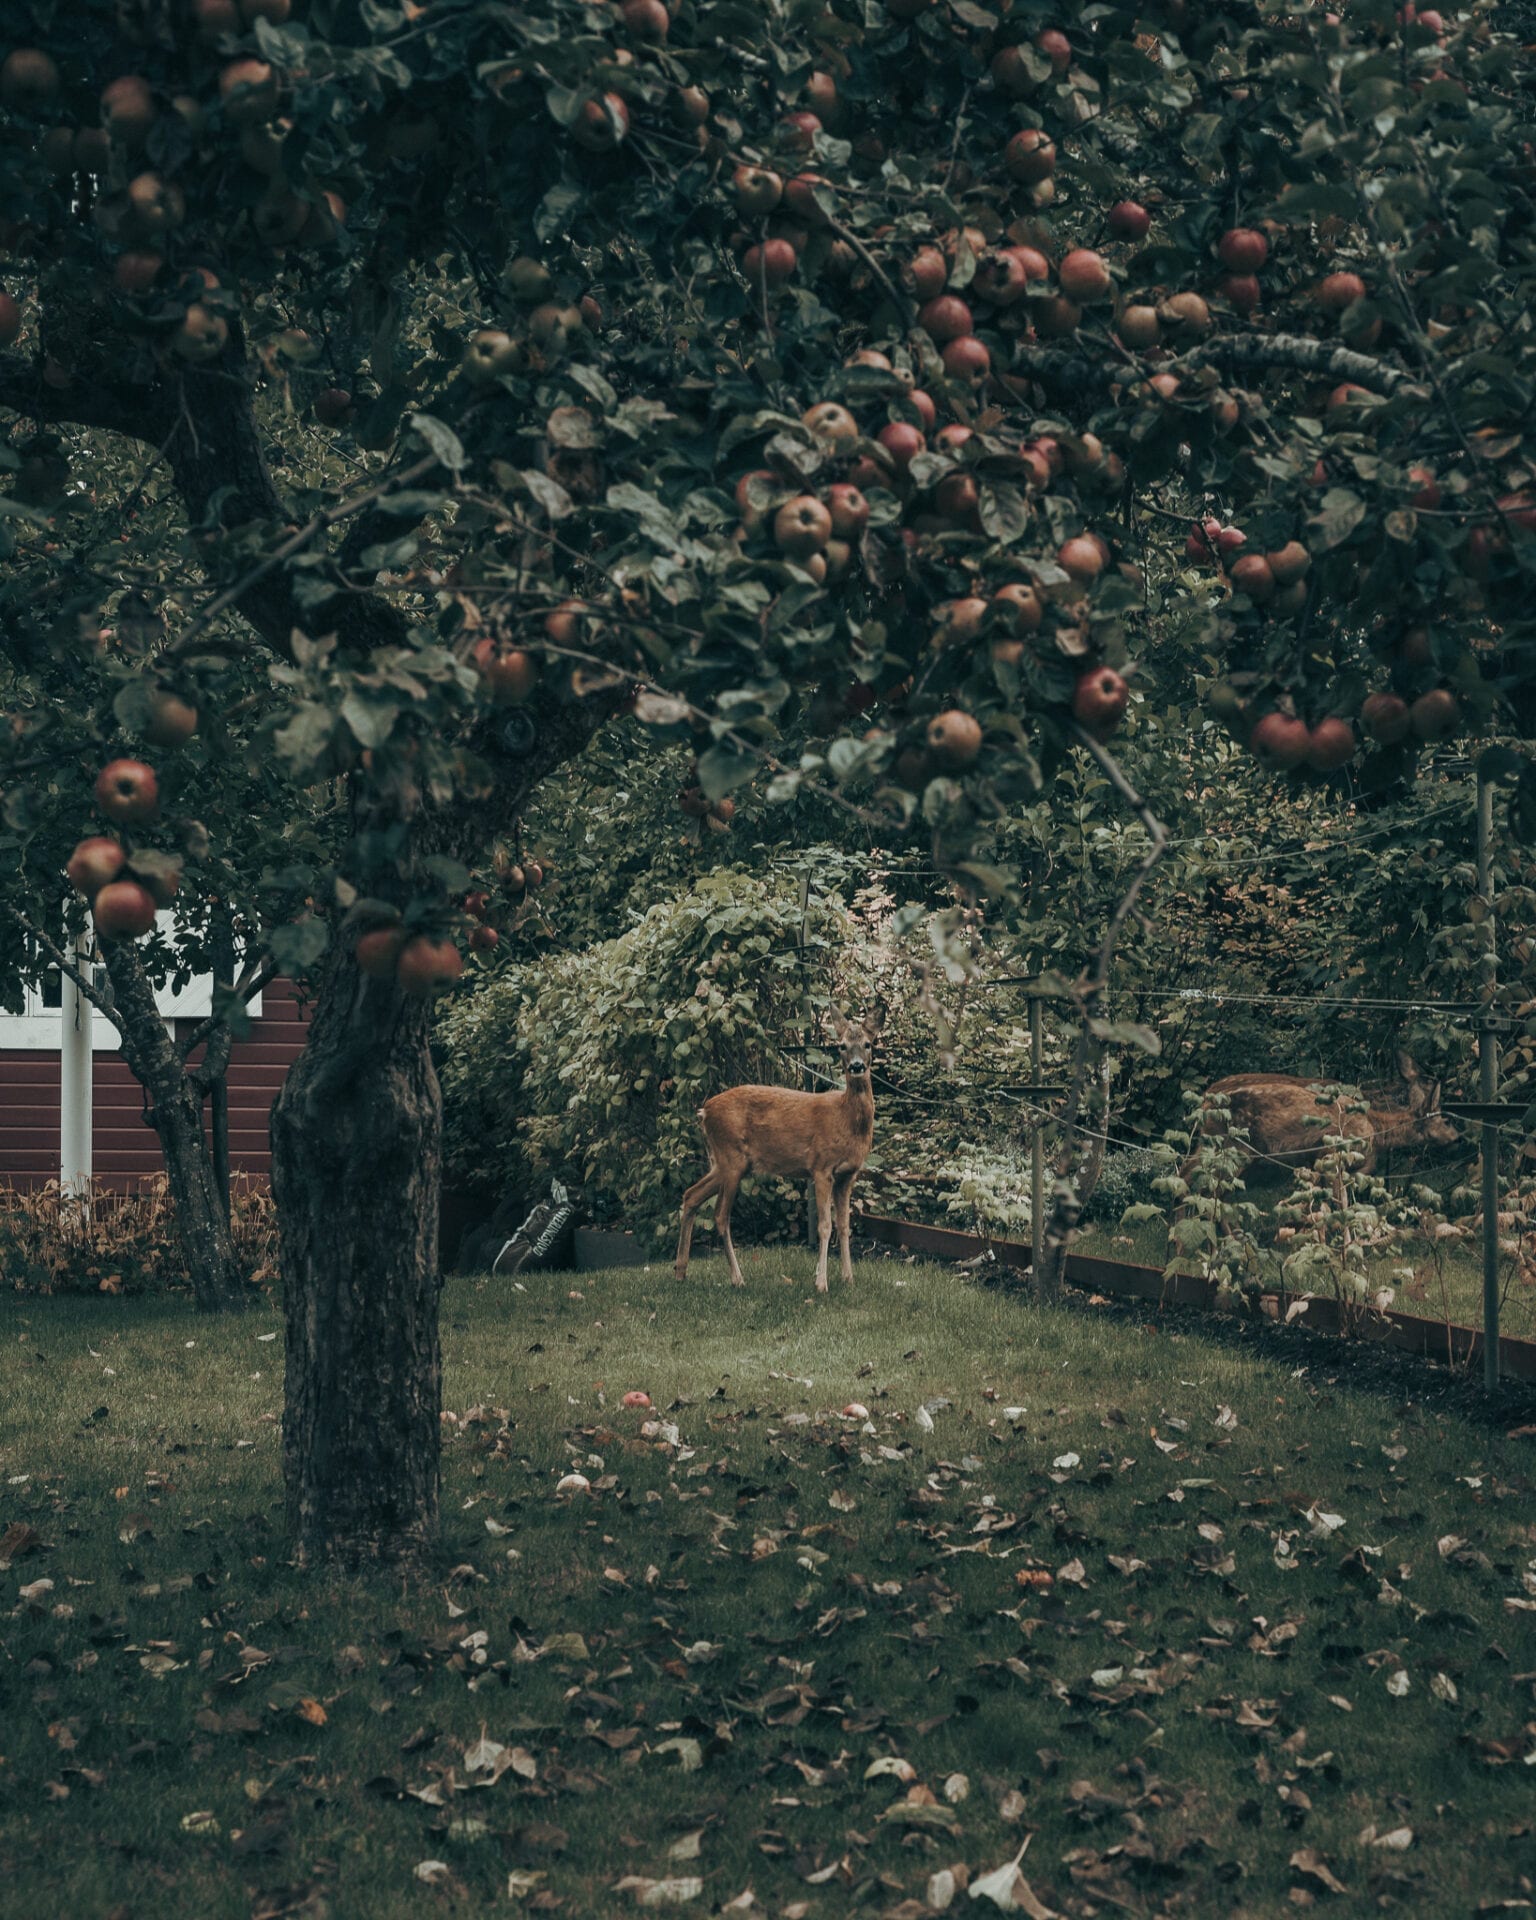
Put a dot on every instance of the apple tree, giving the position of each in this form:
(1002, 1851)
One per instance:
(874, 396)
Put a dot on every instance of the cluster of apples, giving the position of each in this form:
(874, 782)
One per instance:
(124, 899)
(715, 816)
(545, 331)
(416, 963)
(1273, 582)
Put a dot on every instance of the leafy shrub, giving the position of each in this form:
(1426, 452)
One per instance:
(1126, 1179)
(592, 1066)
(121, 1242)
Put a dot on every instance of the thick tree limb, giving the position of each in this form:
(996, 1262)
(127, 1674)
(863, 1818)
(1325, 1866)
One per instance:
(1234, 353)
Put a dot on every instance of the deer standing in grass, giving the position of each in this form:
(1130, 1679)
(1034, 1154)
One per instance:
(775, 1130)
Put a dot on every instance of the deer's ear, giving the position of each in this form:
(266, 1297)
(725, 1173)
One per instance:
(1406, 1067)
(1432, 1104)
(1418, 1099)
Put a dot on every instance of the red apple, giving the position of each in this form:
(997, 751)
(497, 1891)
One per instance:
(1030, 156)
(1242, 249)
(955, 737)
(601, 125)
(1129, 220)
(848, 509)
(1385, 719)
(1084, 276)
(1330, 745)
(1250, 574)
(967, 360)
(172, 721)
(770, 261)
(1336, 291)
(1020, 605)
(1240, 290)
(1081, 557)
(425, 964)
(925, 274)
(93, 864)
(757, 190)
(127, 791)
(945, 318)
(1139, 327)
(1279, 740)
(832, 423)
(1099, 699)
(123, 907)
(1056, 47)
(802, 526)
(902, 441)
(1435, 715)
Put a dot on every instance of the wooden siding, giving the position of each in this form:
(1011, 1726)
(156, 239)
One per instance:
(125, 1151)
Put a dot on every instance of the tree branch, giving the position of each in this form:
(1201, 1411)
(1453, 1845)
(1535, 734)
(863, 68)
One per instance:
(67, 967)
(1066, 1207)
(254, 977)
(1054, 367)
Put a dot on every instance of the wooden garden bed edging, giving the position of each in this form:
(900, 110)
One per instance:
(1433, 1339)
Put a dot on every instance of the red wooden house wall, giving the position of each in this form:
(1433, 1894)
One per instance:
(124, 1150)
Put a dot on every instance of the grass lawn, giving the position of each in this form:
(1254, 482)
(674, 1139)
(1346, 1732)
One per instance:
(1461, 1269)
(1214, 1634)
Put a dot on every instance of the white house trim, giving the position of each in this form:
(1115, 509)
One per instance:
(39, 1029)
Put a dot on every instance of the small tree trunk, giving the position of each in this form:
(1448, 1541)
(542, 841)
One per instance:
(202, 1221)
(356, 1173)
(176, 1110)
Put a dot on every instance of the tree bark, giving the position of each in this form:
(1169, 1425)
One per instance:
(219, 1281)
(356, 1169)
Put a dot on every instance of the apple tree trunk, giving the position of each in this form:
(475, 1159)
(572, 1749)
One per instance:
(356, 1172)
(175, 1109)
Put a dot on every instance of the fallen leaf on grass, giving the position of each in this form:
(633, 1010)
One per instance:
(690, 1755)
(1009, 1891)
(661, 1893)
(1399, 1840)
(1398, 1683)
(520, 1884)
(1308, 1862)
(688, 1846)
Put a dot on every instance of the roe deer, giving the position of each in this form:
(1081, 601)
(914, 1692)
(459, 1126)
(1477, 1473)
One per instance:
(1280, 1112)
(778, 1131)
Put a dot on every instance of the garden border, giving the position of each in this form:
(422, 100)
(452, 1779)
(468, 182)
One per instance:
(1445, 1343)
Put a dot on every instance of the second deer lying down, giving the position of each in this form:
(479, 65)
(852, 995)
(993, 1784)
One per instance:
(775, 1130)
(1280, 1114)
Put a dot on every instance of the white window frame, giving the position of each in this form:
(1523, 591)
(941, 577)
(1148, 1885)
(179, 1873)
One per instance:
(39, 1029)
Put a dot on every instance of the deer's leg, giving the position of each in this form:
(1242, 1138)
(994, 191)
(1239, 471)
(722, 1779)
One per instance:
(842, 1196)
(693, 1199)
(823, 1226)
(728, 1187)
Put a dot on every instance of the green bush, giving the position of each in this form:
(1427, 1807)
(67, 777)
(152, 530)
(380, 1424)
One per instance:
(1125, 1180)
(592, 1066)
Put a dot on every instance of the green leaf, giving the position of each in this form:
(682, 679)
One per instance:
(1004, 510)
(439, 439)
(1339, 515)
(297, 944)
(371, 720)
(304, 741)
(722, 767)
(1126, 1033)
(551, 496)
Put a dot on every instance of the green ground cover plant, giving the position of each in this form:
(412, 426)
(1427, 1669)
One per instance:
(875, 1589)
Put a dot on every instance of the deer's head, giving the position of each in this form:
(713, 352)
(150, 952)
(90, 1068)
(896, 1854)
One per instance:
(1424, 1105)
(856, 1041)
